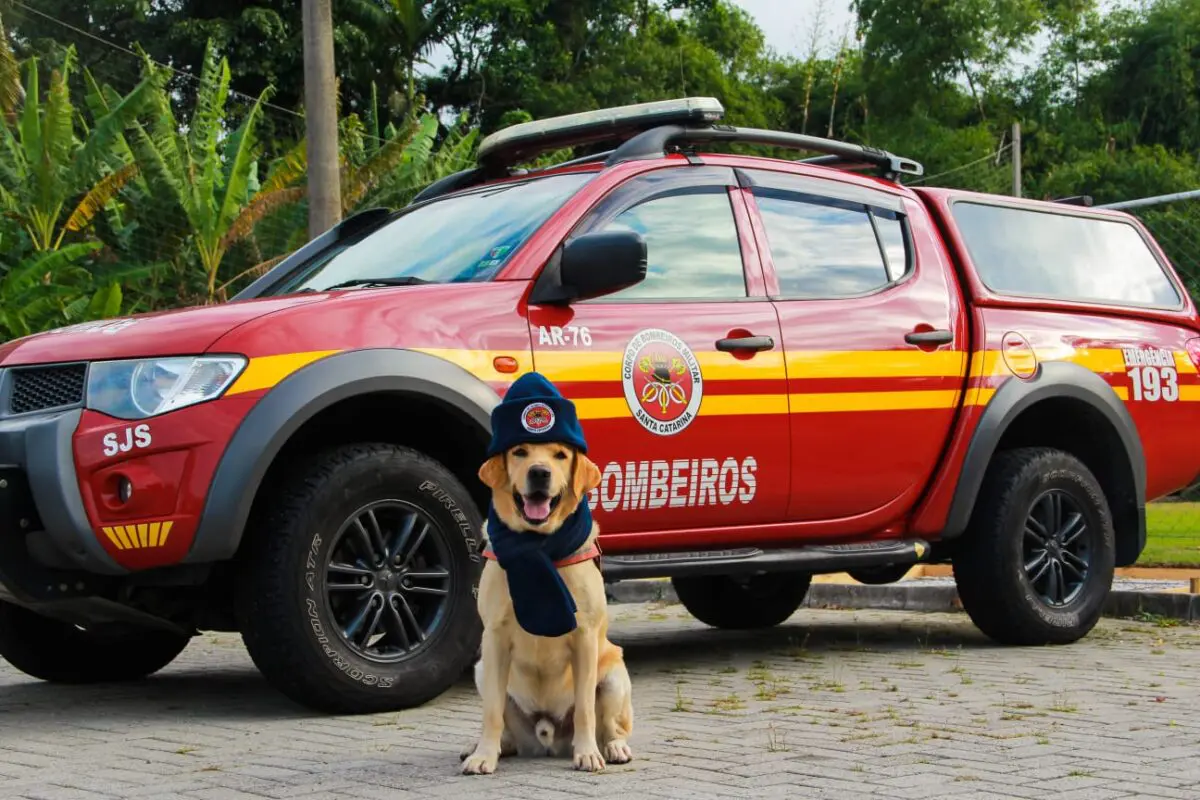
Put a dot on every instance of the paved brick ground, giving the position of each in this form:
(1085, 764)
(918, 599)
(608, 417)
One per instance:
(834, 704)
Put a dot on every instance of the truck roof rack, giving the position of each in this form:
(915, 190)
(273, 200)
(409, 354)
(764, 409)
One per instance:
(650, 130)
(518, 142)
(654, 143)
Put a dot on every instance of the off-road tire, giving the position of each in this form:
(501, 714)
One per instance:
(59, 652)
(283, 614)
(989, 567)
(742, 603)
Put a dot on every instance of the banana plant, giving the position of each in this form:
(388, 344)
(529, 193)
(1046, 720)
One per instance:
(207, 179)
(50, 288)
(45, 166)
(10, 78)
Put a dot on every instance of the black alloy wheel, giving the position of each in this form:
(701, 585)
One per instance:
(387, 581)
(1057, 548)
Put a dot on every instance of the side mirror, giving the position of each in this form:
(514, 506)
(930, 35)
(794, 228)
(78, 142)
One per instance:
(593, 265)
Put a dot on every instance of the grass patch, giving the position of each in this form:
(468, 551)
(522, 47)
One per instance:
(1172, 535)
(729, 703)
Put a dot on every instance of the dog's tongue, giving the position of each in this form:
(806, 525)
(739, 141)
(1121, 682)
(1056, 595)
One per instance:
(536, 509)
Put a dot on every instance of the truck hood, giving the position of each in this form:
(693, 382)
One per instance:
(186, 331)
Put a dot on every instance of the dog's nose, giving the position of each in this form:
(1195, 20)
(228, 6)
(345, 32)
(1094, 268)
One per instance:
(539, 477)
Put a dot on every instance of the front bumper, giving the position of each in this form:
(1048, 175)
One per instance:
(42, 517)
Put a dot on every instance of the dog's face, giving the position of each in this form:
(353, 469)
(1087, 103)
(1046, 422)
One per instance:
(537, 486)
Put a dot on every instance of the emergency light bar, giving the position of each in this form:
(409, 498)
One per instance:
(517, 142)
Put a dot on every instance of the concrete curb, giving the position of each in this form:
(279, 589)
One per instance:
(900, 597)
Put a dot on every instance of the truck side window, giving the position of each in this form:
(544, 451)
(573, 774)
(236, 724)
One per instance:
(692, 248)
(826, 248)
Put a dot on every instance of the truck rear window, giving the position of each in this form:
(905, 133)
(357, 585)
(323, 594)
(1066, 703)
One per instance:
(1029, 253)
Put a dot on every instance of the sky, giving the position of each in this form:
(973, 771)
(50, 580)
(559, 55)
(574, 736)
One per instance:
(788, 24)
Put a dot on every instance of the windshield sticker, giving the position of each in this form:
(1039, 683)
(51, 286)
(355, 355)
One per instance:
(680, 483)
(565, 336)
(1152, 373)
(494, 258)
(662, 381)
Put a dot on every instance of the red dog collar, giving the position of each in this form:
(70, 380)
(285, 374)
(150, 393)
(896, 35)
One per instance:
(587, 554)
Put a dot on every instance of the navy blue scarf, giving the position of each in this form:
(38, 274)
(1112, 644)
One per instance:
(541, 600)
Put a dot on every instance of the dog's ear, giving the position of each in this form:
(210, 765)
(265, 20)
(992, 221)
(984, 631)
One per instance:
(587, 475)
(494, 472)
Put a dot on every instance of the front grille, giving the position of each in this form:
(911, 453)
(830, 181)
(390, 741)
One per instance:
(38, 388)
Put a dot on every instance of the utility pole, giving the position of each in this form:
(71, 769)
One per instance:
(320, 118)
(1016, 158)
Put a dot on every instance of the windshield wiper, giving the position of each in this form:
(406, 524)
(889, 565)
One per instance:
(408, 280)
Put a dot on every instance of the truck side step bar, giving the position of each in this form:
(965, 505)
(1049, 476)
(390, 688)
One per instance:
(751, 560)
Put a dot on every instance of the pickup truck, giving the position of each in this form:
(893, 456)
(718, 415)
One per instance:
(783, 368)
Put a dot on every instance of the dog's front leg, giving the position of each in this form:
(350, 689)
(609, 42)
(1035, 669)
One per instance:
(497, 658)
(584, 665)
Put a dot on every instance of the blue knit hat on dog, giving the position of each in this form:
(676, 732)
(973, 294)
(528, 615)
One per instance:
(534, 410)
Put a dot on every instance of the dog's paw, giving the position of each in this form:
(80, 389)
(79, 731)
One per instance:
(617, 752)
(480, 763)
(589, 760)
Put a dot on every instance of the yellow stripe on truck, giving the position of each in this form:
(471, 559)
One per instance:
(265, 372)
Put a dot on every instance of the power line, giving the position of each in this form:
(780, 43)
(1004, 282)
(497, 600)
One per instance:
(126, 50)
(961, 167)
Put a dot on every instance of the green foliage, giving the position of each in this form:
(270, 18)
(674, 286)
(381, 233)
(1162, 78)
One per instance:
(10, 76)
(45, 165)
(175, 190)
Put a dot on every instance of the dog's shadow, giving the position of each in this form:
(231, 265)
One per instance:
(237, 693)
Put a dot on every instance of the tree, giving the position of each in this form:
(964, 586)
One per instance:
(411, 27)
(1153, 83)
(193, 175)
(44, 166)
(924, 45)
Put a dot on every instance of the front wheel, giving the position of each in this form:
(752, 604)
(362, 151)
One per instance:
(1036, 563)
(60, 652)
(357, 582)
(742, 603)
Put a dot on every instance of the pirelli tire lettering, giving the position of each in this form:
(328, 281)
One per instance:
(675, 483)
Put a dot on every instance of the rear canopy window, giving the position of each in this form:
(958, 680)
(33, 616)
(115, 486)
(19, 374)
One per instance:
(1063, 257)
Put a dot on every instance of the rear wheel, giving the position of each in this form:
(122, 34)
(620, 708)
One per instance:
(356, 588)
(60, 652)
(743, 602)
(1036, 563)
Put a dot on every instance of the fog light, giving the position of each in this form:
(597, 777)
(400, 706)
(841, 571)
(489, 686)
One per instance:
(124, 489)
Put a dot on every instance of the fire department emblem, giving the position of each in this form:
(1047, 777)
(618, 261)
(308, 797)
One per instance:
(537, 418)
(662, 381)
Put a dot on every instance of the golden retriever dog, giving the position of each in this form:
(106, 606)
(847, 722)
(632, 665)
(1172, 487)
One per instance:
(548, 695)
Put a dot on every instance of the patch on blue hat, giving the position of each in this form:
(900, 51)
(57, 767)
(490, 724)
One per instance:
(537, 418)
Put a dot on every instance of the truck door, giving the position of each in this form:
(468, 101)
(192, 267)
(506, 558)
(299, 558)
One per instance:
(875, 333)
(679, 380)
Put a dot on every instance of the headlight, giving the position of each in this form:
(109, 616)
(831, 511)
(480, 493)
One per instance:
(145, 388)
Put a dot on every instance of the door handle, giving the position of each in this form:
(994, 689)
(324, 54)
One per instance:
(929, 337)
(743, 343)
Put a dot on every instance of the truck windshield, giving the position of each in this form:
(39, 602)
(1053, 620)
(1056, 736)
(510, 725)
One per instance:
(464, 238)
